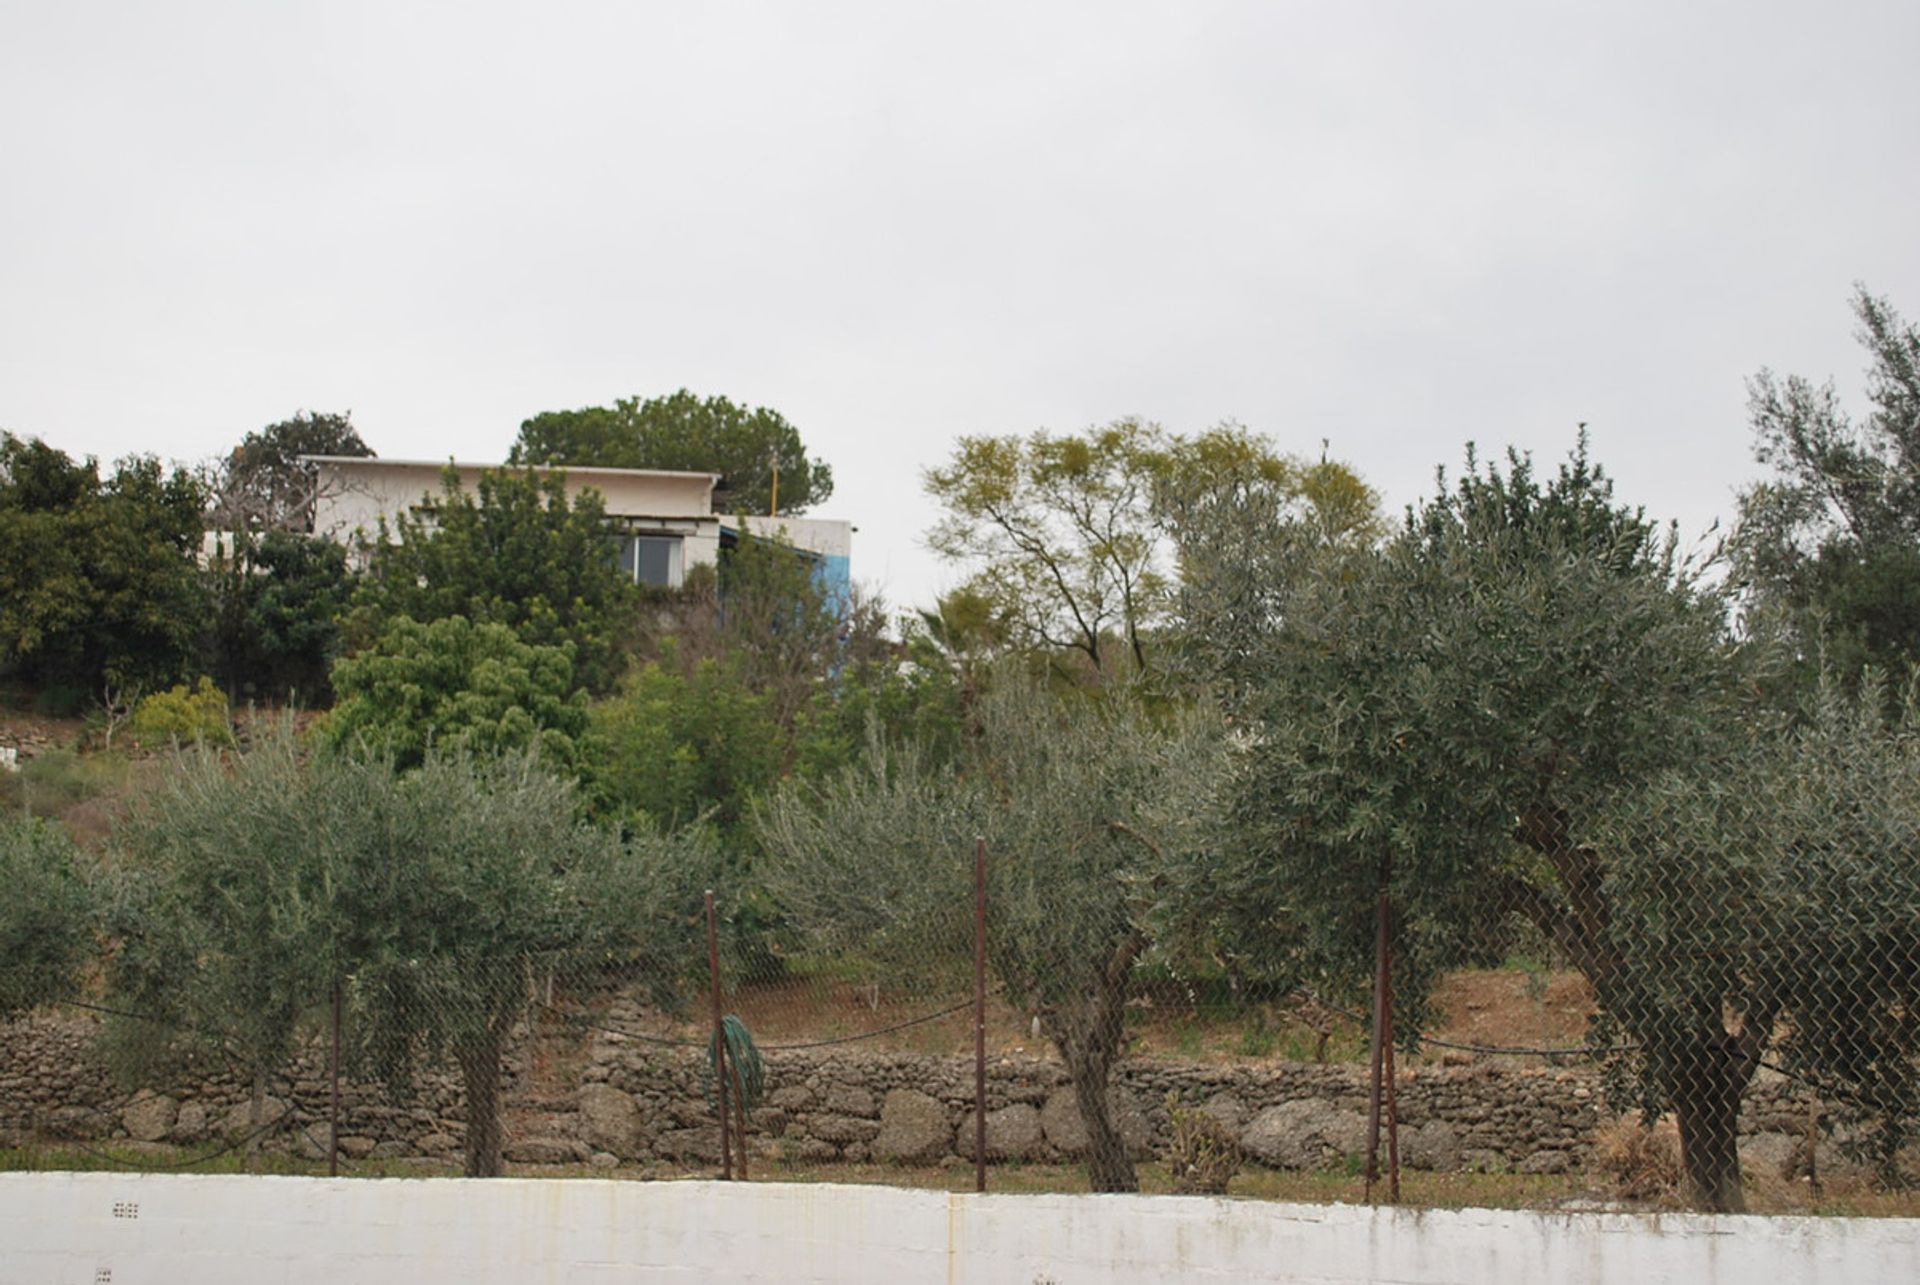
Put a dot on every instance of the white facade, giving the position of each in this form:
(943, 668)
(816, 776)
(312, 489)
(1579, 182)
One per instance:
(668, 515)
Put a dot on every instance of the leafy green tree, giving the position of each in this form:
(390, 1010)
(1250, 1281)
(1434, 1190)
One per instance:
(753, 674)
(746, 446)
(918, 697)
(1443, 718)
(515, 553)
(961, 634)
(453, 682)
(1069, 533)
(1245, 529)
(1087, 804)
(98, 584)
(1778, 884)
(680, 749)
(1829, 546)
(46, 918)
(263, 485)
(772, 622)
(277, 602)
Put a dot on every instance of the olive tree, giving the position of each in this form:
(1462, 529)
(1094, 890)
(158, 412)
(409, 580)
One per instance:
(1828, 545)
(229, 917)
(1087, 803)
(479, 877)
(1442, 719)
(259, 885)
(1776, 888)
(46, 917)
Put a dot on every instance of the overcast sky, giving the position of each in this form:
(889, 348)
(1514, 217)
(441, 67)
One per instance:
(1392, 226)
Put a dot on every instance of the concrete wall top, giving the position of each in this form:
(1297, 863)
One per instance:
(88, 1227)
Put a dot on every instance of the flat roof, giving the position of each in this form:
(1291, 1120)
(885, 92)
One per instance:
(573, 469)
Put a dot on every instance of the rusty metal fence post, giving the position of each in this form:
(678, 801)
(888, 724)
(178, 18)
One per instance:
(719, 1040)
(1389, 1083)
(979, 1014)
(333, 1075)
(1381, 1096)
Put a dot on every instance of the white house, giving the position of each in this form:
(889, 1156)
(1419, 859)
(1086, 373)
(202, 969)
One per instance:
(667, 517)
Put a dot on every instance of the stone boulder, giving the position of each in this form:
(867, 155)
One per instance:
(1067, 1133)
(688, 1145)
(436, 1144)
(791, 1097)
(1303, 1134)
(1433, 1145)
(849, 1099)
(1229, 1111)
(1060, 1122)
(190, 1125)
(238, 1122)
(149, 1117)
(545, 1151)
(1013, 1133)
(611, 1120)
(913, 1129)
(76, 1122)
(357, 1146)
(845, 1128)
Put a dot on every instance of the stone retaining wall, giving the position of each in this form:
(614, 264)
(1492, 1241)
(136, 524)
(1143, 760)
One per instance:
(609, 1100)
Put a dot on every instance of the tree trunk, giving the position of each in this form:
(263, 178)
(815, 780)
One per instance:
(1109, 1167)
(1087, 1030)
(256, 1117)
(480, 1072)
(1706, 1106)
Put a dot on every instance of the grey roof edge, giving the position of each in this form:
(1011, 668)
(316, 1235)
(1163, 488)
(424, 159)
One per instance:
(594, 470)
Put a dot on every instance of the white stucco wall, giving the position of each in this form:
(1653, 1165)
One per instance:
(829, 537)
(212, 1230)
(356, 493)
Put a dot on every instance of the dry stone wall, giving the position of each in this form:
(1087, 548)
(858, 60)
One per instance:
(609, 1100)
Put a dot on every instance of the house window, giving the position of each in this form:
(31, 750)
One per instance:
(652, 559)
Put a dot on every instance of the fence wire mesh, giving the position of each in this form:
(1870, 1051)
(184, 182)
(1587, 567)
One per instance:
(1698, 990)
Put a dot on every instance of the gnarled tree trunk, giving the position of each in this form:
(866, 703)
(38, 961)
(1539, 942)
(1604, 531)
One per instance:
(1706, 1106)
(256, 1117)
(480, 1073)
(1704, 1067)
(1087, 1030)
(1705, 1084)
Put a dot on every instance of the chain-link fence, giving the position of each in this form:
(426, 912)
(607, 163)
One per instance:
(1701, 990)
(1779, 1049)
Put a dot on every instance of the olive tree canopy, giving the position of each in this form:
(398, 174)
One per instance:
(1088, 804)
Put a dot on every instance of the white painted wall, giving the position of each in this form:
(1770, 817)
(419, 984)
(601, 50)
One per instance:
(356, 493)
(134, 1229)
(830, 537)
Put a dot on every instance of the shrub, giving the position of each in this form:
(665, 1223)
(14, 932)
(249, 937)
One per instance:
(45, 918)
(452, 682)
(49, 783)
(1202, 1155)
(183, 715)
(1641, 1159)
